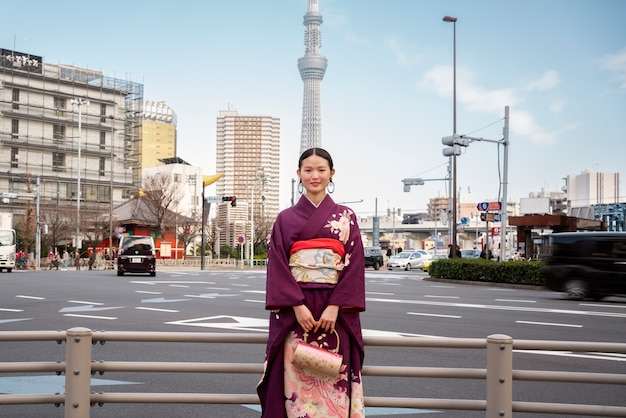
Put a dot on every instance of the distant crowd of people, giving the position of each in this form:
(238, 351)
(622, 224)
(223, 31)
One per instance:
(64, 260)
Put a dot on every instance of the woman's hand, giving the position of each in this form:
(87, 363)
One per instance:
(328, 319)
(305, 317)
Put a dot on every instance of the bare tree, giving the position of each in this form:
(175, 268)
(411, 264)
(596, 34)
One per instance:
(162, 196)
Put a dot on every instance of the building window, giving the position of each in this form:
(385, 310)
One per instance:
(103, 113)
(103, 140)
(58, 161)
(16, 99)
(60, 105)
(15, 128)
(102, 165)
(58, 132)
(177, 177)
(14, 151)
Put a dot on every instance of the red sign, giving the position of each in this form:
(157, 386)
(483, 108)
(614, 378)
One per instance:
(495, 232)
(241, 239)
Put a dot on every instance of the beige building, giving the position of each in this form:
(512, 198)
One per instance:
(157, 136)
(65, 126)
(248, 153)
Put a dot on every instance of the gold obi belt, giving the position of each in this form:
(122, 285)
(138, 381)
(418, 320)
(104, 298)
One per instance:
(317, 260)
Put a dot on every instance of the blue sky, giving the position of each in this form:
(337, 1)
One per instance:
(560, 66)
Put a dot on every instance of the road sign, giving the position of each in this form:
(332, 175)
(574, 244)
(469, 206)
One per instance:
(490, 216)
(241, 239)
(213, 199)
(489, 206)
(464, 220)
(495, 232)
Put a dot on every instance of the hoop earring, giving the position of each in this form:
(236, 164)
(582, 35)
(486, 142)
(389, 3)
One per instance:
(330, 187)
(300, 187)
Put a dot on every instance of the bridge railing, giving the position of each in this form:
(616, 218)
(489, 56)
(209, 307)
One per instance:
(499, 375)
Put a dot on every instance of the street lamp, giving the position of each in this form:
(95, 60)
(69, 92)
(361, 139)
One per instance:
(454, 241)
(79, 101)
(112, 119)
(261, 179)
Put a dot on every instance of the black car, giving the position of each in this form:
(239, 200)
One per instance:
(373, 257)
(136, 255)
(586, 264)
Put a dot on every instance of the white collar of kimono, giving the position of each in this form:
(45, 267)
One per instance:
(318, 205)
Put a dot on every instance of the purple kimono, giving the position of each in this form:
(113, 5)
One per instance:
(304, 221)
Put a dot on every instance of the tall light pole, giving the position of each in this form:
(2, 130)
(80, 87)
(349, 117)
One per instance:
(453, 20)
(79, 101)
(112, 119)
(261, 179)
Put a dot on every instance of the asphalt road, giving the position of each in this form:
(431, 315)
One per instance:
(399, 303)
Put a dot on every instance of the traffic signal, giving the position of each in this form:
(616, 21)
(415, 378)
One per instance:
(231, 199)
(454, 144)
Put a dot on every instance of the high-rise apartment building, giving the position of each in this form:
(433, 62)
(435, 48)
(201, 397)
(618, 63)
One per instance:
(157, 135)
(592, 187)
(67, 127)
(248, 153)
(312, 68)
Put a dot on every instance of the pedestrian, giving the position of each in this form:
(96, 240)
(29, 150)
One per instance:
(77, 260)
(92, 258)
(315, 291)
(65, 260)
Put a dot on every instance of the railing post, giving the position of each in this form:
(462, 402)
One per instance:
(499, 376)
(78, 373)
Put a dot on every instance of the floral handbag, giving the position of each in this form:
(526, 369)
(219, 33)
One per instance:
(317, 359)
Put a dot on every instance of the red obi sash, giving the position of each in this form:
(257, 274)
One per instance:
(327, 243)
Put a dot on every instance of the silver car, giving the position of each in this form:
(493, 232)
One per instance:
(408, 260)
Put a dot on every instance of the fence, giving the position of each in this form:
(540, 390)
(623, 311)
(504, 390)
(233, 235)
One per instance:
(499, 374)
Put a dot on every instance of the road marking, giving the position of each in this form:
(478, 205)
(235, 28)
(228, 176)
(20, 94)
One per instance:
(6, 321)
(238, 323)
(499, 307)
(380, 293)
(254, 301)
(155, 282)
(441, 297)
(179, 285)
(241, 284)
(210, 295)
(11, 310)
(603, 305)
(91, 316)
(162, 300)
(29, 297)
(516, 300)
(594, 356)
(156, 309)
(437, 315)
(253, 291)
(148, 292)
(88, 308)
(552, 324)
(85, 302)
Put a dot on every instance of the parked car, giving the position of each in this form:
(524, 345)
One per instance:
(373, 257)
(586, 264)
(470, 253)
(426, 264)
(408, 259)
(136, 255)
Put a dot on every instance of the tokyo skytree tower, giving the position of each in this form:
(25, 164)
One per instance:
(312, 67)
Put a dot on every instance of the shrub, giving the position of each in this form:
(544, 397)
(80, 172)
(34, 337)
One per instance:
(514, 272)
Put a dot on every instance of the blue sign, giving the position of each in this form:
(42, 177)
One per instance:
(464, 220)
(483, 206)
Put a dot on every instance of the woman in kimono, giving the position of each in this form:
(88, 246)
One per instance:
(315, 291)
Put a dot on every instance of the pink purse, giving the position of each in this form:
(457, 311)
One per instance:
(317, 359)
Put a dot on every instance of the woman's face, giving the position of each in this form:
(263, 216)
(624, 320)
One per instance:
(315, 174)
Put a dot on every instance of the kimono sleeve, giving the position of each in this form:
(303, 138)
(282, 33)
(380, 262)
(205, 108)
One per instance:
(349, 293)
(281, 287)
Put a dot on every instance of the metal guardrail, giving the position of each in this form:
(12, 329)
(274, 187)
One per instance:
(499, 374)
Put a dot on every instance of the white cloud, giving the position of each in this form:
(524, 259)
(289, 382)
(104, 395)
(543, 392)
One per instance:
(616, 64)
(557, 106)
(548, 81)
(399, 51)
